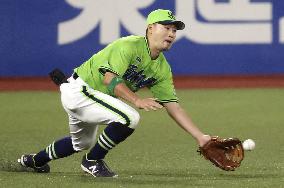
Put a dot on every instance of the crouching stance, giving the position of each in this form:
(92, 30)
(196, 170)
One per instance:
(87, 109)
(92, 96)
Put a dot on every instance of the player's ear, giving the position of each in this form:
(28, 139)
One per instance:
(150, 28)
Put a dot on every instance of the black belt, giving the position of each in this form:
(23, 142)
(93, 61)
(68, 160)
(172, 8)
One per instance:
(75, 75)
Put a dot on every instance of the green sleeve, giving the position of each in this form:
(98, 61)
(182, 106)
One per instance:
(164, 90)
(118, 59)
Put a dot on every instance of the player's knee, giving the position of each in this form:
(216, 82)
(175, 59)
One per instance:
(134, 119)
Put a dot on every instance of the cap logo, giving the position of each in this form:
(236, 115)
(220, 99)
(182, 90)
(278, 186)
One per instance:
(171, 16)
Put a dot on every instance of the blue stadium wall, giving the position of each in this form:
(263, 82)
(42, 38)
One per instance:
(222, 37)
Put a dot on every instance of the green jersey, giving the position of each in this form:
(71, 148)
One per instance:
(129, 58)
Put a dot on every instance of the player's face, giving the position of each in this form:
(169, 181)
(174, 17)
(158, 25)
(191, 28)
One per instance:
(164, 36)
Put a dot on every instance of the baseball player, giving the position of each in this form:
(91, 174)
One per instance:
(92, 97)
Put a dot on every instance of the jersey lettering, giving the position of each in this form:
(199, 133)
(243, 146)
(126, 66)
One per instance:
(136, 77)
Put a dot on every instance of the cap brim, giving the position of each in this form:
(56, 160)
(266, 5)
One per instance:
(179, 24)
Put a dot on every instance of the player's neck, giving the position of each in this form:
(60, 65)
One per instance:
(154, 54)
(154, 51)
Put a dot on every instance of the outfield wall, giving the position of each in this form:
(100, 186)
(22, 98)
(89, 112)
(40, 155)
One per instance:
(222, 37)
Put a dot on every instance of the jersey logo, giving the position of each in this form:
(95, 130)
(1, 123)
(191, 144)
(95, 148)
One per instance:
(137, 77)
(138, 59)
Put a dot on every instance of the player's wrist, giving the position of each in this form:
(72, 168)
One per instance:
(136, 101)
(203, 139)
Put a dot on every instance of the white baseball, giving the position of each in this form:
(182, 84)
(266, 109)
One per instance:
(248, 144)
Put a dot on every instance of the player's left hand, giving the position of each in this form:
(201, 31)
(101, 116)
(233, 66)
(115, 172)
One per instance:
(148, 104)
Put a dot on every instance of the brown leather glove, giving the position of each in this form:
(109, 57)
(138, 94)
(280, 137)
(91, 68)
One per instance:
(225, 153)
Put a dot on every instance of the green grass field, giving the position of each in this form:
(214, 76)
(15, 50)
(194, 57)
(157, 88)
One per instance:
(159, 153)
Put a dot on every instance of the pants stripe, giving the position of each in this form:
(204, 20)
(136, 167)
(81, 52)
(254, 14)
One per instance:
(127, 120)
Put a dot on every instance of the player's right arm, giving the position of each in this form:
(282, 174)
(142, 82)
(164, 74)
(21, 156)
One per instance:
(122, 91)
(179, 115)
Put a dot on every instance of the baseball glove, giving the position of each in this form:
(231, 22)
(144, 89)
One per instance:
(226, 153)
